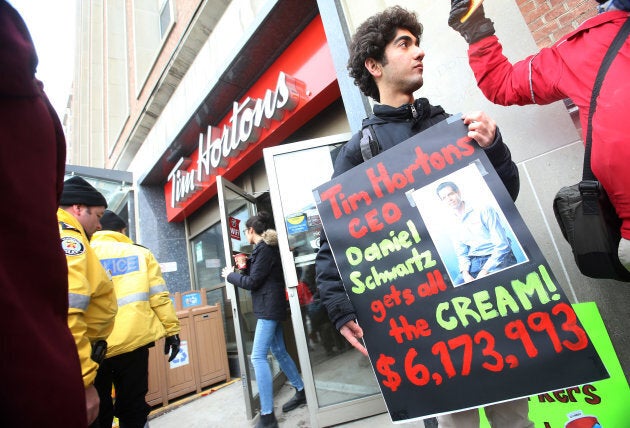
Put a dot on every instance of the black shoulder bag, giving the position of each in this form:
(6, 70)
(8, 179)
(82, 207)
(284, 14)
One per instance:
(586, 217)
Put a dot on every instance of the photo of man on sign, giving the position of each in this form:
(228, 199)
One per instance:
(470, 232)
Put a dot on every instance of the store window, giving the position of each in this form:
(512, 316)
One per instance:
(209, 259)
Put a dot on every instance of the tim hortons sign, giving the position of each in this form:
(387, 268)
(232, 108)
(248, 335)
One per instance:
(296, 87)
(248, 119)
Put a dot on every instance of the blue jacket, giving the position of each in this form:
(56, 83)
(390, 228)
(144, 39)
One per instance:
(265, 279)
(392, 126)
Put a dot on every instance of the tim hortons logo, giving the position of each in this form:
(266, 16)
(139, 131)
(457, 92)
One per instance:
(245, 126)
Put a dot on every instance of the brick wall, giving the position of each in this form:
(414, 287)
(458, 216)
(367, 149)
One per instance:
(548, 20)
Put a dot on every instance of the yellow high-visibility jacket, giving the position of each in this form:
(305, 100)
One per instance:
(145, 311)
(91, 300)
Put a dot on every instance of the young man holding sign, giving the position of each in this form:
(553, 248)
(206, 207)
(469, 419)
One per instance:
(386, 63)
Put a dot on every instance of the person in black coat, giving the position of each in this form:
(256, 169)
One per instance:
(263, 276)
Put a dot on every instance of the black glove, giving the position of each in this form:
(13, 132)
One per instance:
(99, 350)
(172, 344)
(476, 27)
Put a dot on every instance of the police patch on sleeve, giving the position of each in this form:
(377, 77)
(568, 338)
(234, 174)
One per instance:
(72, 246)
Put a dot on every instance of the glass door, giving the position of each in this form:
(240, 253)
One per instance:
(339, 382)
(236, 207)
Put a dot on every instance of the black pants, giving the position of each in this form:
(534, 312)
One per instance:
(129, 373)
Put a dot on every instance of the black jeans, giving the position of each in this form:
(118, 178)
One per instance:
(129, 373)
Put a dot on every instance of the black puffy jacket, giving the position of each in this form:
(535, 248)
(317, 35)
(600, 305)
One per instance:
(265, 279)
(392, 126)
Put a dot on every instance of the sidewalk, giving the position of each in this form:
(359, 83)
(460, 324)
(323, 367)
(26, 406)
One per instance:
(224, 405)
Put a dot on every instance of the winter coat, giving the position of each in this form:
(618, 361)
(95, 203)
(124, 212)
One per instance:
(264, 277)
(38, 346)
(568, 69)
(392, 126)
(145, 311)
(91, 300)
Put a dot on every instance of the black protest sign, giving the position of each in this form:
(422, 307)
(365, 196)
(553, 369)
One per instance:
(440, 341)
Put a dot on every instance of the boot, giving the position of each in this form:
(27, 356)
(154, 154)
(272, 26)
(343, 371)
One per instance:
(267, 421)
(298, 399)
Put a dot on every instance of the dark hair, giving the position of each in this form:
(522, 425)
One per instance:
(260, 222)
(112, 221)
(450, 184)
(370, 40)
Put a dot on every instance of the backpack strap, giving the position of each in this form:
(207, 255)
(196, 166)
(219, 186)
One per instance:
(369, 143)
(611, 53)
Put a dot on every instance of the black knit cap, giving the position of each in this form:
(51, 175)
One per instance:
(78, 191)
(112, 221)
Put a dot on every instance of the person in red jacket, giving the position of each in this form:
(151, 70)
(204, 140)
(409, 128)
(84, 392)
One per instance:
(40, 370)
(145, 314)
(567, 69)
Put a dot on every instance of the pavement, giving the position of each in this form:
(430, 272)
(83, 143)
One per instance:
(223, 405)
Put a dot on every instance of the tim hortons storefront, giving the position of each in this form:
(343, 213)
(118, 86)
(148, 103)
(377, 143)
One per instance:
(274, 144)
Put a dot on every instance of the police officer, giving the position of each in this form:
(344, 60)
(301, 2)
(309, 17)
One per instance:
(145, 315)
(91, 300)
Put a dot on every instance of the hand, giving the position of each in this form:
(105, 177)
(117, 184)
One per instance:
(481, 128)
(476, 27)
(352, 332)
(172, 343)
(482, 273)
(92, 402)
(467, 277)
(226, 271)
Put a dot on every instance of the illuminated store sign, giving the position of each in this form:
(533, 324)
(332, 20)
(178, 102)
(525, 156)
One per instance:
(246, 123)
(300, 84)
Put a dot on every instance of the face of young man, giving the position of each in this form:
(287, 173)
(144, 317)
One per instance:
(450, 197)
(402, 65)
(90, 218)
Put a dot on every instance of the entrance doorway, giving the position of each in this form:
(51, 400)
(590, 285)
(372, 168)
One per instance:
(339, 381)
(236, 206)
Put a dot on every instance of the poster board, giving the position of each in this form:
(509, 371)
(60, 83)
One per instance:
(438, 344)
(604, 402)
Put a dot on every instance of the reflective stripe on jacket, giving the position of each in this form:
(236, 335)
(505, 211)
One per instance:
(145, 311)
(91, 299)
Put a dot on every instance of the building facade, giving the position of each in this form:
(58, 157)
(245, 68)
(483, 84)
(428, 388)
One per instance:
(187, 95)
